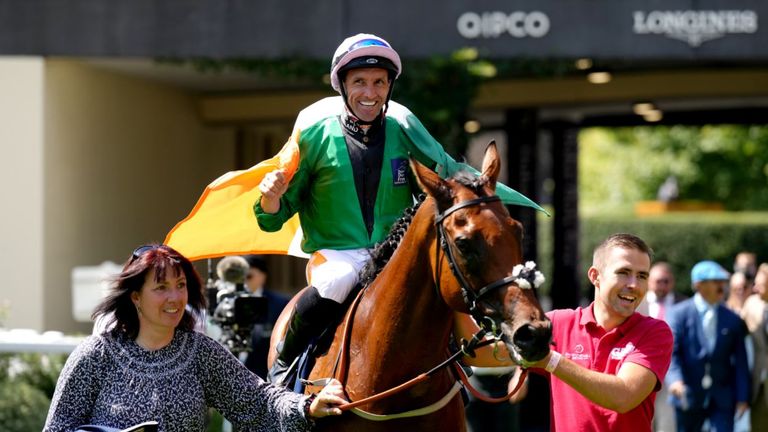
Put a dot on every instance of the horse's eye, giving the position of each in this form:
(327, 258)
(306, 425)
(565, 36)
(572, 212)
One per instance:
(460, 220)
(463, 244)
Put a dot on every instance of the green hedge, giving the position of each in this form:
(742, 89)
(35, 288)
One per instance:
(27, 382)
(682, 239)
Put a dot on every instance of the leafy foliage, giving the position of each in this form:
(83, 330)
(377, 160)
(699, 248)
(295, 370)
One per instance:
(287, 72)
(40, 371)
(727, 164)
(23, 408)
(27, 382)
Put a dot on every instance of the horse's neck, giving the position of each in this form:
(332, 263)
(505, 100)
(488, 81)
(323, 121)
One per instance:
(402, 304)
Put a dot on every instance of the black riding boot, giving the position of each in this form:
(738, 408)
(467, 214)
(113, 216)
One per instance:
(311, 315)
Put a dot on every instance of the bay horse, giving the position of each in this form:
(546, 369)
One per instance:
(403, 319)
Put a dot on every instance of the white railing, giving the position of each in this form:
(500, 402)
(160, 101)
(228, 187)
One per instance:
(27, 340)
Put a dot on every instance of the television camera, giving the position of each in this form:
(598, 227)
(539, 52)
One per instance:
(233, 308)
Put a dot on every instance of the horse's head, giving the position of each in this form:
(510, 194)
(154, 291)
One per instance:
(482, 243)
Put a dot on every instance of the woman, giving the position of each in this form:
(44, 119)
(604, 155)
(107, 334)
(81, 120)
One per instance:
(151, 365)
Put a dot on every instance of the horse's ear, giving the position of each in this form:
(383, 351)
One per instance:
(430, 182)
(491, 164)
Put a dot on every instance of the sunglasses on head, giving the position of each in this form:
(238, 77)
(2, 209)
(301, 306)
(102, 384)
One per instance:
(139, 251)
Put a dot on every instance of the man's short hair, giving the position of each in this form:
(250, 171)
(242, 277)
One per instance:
(627, 241)
(257, 261)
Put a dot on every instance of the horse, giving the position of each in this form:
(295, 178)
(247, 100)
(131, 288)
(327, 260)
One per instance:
(401, 323)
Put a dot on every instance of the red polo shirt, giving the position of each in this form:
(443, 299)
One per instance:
(640, 339)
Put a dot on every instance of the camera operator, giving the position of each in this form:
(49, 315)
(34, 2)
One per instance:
(233, 309)
(255, 282)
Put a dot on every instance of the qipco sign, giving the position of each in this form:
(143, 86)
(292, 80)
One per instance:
(488, 25)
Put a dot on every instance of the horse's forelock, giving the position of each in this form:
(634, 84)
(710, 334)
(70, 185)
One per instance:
(471, 181)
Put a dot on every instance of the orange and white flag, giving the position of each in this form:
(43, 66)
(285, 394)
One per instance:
(223, 223)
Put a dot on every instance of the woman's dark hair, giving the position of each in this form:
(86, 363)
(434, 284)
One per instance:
(118, 308)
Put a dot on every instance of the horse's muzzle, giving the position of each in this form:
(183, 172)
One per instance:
(532, 340)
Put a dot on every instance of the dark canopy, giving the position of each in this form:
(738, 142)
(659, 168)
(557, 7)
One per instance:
(600, 29)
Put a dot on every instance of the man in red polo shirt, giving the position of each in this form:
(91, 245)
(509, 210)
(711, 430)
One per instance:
(608, 361)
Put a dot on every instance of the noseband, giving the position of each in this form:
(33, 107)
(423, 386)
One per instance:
(469, 295)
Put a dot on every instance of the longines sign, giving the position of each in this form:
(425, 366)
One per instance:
(692, 26)
(695, 26)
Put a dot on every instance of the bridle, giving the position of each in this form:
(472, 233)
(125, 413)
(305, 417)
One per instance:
(469, 295)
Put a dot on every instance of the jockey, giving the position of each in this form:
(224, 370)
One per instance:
(352, 183)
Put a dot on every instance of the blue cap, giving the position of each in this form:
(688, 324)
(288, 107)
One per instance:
(708, 270)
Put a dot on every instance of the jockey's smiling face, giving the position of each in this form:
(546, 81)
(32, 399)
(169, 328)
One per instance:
(367, 91)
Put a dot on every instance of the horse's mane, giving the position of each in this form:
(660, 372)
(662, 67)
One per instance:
(384, 250)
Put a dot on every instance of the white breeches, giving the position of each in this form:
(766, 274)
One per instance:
(335, 272)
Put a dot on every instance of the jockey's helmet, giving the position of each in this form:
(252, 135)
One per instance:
(363, 51)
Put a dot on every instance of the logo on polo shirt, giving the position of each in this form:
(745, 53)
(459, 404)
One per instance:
(578, 353)
(619, 353)
(399, 171)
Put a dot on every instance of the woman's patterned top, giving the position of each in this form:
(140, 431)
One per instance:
(109, 380)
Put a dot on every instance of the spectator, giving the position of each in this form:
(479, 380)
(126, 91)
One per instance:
(661, 296)
(746, 262)
(739, 288)
(152, 366)
(755, 315)
(613, 359)
(256, 283)
(661, 291)
(709, 376)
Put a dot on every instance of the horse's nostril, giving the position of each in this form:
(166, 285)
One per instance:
(529, 336)
(524, 335)
(532, 341)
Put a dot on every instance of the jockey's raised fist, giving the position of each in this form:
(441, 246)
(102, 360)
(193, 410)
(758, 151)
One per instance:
(272, 187)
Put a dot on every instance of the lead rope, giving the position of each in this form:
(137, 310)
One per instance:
(521, 376)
